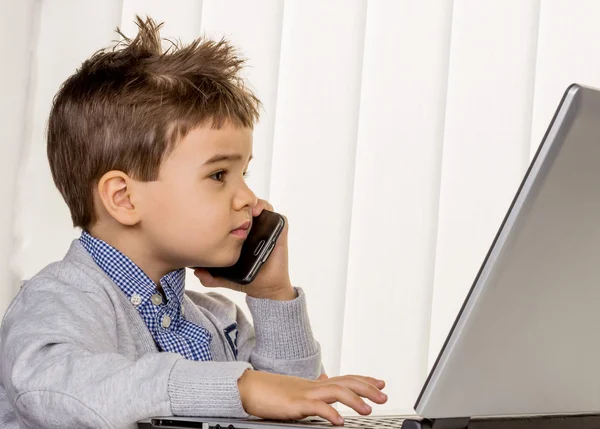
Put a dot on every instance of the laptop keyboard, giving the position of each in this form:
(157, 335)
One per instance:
(350, 422)
(365, 422)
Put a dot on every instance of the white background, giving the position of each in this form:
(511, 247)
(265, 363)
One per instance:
(394, 135)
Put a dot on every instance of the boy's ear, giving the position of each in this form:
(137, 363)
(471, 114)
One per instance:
(115, 189)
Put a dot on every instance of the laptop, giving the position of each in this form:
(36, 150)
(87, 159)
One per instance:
(524, 350)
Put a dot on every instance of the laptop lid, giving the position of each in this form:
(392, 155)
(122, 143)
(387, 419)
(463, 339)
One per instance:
(527, 339)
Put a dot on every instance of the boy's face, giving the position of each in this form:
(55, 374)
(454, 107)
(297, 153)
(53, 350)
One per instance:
(190, 214)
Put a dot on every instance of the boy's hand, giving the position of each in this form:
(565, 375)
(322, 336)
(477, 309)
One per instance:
(282, 397)
(273, 279)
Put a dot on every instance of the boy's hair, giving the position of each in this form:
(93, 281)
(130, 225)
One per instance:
(126, 107)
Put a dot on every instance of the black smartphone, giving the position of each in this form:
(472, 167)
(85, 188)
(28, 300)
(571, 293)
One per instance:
(259, 244)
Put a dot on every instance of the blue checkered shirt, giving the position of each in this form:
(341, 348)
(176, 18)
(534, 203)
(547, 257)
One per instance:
(165, 320)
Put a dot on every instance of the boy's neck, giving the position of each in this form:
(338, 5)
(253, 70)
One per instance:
(128, 241)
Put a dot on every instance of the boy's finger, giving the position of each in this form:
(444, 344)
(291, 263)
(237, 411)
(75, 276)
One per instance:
(209, 281)
(260, 206)
(380, 384)
(361, 388)
(336, 393)
(311, 407)
(204, 276)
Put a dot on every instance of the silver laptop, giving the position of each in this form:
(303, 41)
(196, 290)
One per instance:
(526, 341)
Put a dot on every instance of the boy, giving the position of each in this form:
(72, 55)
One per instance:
(149, 151)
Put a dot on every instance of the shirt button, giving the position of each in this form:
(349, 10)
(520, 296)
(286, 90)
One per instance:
(182, 310)
(136, 299)
(166, 321)
(156, 299)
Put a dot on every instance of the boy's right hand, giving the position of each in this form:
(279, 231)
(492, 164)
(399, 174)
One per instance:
(283, 397)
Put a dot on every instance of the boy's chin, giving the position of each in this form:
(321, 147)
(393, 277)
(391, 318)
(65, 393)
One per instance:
(221, 262)
(230, 261)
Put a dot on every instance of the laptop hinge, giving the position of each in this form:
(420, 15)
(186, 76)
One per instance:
(454, 423)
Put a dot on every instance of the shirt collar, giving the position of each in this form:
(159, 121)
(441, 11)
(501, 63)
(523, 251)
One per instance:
(127, 275)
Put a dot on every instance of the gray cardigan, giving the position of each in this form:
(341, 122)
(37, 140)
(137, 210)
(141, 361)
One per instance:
(74, 352)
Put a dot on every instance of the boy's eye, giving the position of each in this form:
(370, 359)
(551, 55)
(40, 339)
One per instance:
(219, 176)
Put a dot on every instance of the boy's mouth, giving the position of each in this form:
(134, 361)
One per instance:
(242, 230)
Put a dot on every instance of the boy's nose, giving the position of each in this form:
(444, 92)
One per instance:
(245, 198)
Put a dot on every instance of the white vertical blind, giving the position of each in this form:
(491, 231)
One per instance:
(182, 18)
(43, 226)
(486, 141)
(18, 31)
(314, 152)
(396, 186)
(394, 135)
(567, 53)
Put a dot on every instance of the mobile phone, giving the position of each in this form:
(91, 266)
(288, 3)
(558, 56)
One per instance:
(259, 244)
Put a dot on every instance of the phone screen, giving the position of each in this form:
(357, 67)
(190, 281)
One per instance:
(259, 244)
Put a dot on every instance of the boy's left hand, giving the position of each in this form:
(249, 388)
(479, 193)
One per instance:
(273, 279)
